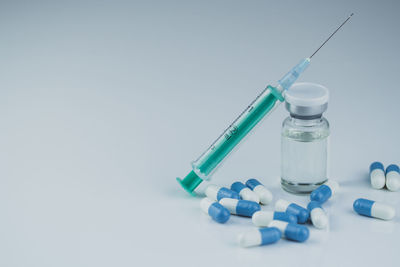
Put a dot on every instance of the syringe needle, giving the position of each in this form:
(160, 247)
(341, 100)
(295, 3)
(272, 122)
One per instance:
(331, 35)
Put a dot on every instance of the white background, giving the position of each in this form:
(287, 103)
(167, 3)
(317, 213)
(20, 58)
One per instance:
(103, 104)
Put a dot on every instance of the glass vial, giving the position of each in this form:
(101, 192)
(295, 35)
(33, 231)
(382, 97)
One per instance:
(304, 139)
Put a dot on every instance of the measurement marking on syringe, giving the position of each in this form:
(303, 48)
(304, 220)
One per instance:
(232, 130)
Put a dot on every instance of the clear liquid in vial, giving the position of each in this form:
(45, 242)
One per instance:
(304, 160)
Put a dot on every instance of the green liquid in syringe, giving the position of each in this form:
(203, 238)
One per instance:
(256, 111)
(212, 157)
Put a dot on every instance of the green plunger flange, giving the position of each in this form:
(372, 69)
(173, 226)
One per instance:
(190, 182)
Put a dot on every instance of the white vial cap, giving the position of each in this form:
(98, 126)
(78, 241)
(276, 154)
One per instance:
(307, 100)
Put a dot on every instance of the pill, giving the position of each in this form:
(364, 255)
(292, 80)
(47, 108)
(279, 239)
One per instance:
(377, 175)
(393, 177)
(318, 216)
(325, 191)
(263, 218)
(260, 237)
(301, 213)
(263, 193)
(216, 211)
(291, 231)
(374, 209)
(240, 207)
(216, 192)
(244, 192)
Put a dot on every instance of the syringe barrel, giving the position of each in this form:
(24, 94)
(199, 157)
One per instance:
(265, 102)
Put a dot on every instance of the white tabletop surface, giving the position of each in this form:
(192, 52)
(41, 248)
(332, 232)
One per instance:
(103, 104)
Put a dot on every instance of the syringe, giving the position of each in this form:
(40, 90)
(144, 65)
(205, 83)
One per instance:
(264, 104)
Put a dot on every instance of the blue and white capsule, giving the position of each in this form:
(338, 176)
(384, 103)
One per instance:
(393, 177)
(325, 191)
(240, 207)
(373, 209)
(301, 213)
(244, 192)
(263, 218)
(291, 231)
(216, 192)
(263, 193)
(260, 237)
(317, 214)
(377, 175)
(216, 211)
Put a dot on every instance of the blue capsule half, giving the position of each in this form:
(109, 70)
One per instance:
(292, 231)
(321, 194)
(325, 191)
(226, 193)
(284, 216)
(392, 168)
(296, 232)
(301, 213)
(270, 235)
(363, 206)
(237, 187)
(240, 207)
(216, 192)
(216, 211)
(312, 205)
(376, 165)
(247, 208)
(219, 213)
(253, 183)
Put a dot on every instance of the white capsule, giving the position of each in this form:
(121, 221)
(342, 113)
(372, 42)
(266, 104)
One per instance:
(259, 237)
(377, 175)
(333, 185)
(393, 177)
(263, 193)
(262, 218)
(319, 218)
(247, 194)
(281, 205)
(205, 204)
(382, 211)
(318, 215)
(212, 191)
(244, 192)
(250, 239)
